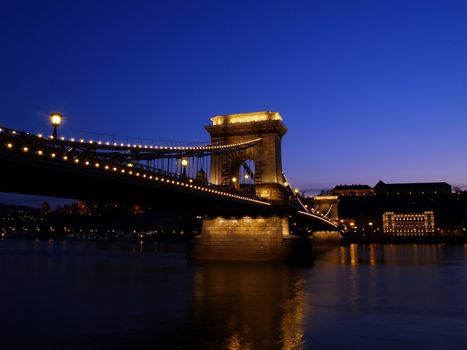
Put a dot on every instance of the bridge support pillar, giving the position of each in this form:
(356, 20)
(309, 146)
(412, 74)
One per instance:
(250, 239)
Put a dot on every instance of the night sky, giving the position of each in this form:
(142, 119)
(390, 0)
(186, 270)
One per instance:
(369, 90)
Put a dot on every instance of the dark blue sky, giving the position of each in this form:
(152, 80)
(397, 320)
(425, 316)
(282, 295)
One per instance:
(369, 90)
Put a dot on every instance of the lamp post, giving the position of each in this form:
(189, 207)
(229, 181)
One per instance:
(234, 182)
(184, 163)
(56, 120)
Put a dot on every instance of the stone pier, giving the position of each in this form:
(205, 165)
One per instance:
(250, 239)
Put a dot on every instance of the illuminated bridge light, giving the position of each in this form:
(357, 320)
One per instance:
(40, 153)
(106, 167)
(25, 149)
(65, 157)
(53, 155)
(76, 160)
(87, 162)
(97, 165)
(114, 169)
(9, 145)
(82, 141)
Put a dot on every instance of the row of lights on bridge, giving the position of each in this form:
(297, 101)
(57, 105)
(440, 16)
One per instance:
(56, 120)
(107, 167)
(307, 211)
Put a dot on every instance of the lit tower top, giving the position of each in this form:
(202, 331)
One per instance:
(245, 118)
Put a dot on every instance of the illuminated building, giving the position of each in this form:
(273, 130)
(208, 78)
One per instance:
(413, 224)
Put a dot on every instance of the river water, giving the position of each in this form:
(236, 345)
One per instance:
(70, 294)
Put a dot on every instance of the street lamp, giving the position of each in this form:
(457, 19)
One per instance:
(56, 120)
(184, 163)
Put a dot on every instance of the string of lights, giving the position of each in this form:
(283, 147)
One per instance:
(310, 212)
(16, 142)
(107, 145)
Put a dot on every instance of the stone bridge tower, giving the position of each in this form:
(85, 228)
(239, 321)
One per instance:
(260, 237)
(266, 154)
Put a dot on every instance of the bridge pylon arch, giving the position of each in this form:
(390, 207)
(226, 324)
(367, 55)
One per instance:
(267, 154)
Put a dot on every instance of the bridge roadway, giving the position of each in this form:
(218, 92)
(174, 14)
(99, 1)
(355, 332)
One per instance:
(94, 170)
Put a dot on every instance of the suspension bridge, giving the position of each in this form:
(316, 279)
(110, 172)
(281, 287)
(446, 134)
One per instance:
(236, 181)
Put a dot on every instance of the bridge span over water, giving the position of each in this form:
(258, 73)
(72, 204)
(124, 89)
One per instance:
(236, 181)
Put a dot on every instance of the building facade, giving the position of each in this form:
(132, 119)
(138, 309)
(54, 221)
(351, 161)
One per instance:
(413, 224)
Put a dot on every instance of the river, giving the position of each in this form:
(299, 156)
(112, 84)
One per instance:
(94, 295)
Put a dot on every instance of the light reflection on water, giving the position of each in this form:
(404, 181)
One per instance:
(393, 254)
(254, 305)
(120, 295)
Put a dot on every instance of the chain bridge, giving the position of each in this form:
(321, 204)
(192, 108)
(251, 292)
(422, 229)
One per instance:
(236, 181)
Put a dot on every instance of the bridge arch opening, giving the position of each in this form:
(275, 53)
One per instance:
(242, 175)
